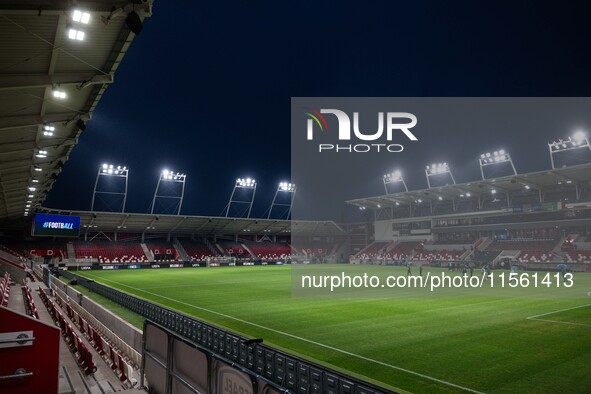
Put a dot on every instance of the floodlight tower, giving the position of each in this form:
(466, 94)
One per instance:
(170, 177)
(577, 141)
(497, 157)
(394, 177)
(288, 189)
(248, 184)
(110, 170)
(438, 169)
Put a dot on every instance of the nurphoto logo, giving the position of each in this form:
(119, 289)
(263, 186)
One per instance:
(394, 128)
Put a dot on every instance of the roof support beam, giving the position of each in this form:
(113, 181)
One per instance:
(33, 81)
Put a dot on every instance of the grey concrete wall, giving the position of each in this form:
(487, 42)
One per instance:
(128, 333)
(16, 274)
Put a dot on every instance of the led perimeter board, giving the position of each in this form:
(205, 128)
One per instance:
(46, 225)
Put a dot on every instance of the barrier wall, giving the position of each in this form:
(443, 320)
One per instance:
(119, 327)
(17, 274)
(28, 366)
(286, 371)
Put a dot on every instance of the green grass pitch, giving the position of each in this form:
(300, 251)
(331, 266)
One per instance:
(421, 345)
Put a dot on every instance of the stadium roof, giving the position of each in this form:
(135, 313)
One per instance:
(200, 225)
(575, 175)
(47, 48)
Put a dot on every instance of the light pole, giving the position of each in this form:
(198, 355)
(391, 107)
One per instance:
(168, 176)
(110, 170)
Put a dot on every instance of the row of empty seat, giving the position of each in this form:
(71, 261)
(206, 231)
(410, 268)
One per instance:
(269, 250)
(75, 344)
(29, 303)
(534, 256)
(439, 255)
(110, 251)
(4, 289)
(198, 251)
(582, 256)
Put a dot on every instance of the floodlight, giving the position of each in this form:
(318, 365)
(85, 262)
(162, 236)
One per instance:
(48, 133)
(48, 127)
(527, 187)
(74, 34)
(32, 189)
(38, 169)
(105, 166)
(41, 154)
(35, 181)
(579, 136)
(28, 206)
(468, 194)
(31, 195)
(493, 191)
(419, 201)
(379, 205)
(397, 203)
(440, 198)
(80, 16)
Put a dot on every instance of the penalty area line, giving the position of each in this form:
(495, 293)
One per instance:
(427, 377)
(558, 311)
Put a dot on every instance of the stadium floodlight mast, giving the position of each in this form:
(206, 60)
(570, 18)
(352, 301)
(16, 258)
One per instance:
(577, 141)
(491, 159)
(168, 176)
(438, 169)
(287, 189)
(110, 170)
(392, 178)
(247, 184)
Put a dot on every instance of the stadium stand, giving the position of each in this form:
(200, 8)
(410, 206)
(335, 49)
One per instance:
(4, 289)
(234, 249)
(110, 251)
(535, 256)
(439, 255)
(198, 251)
(372, 251)
(269, 250)
(523, 245)
(40, 248)
(162, 250)
(403, 250)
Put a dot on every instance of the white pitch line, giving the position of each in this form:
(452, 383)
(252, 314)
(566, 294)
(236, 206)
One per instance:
(303, 339)
(561, 310)
(561, 322)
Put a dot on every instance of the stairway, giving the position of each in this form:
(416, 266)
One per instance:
(147, 252)
(180, 250)
(71, 251)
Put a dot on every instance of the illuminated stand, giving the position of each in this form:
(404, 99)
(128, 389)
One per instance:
(242, 184)
(110, 171)
(497, 157)
(436, 170)
(167, 178)
(394, 178)
(287, 189)
(577, 141)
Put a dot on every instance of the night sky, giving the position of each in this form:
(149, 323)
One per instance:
(205, 89)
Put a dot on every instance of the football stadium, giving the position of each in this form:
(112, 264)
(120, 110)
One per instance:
(479, 285)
